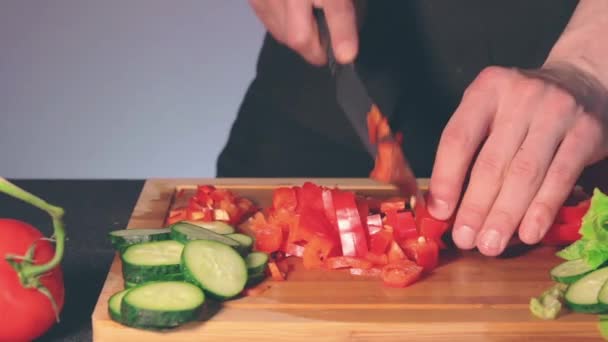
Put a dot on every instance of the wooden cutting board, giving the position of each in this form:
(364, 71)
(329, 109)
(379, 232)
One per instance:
(468, 298)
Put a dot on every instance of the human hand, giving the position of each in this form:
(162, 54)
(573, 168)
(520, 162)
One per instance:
(534, 140)
(291, 22)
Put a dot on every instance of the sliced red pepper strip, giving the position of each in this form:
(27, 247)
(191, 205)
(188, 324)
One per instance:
(374, 117)
(569, 214)
(422, 250)
(374, 224)
(352, 236)
(380, 242)
(348, 262)
(561, 234)
(330, 210)
(372, 272)
(401, 273)
(275, 272)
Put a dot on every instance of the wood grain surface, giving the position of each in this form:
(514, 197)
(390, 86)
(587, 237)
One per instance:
(468, 298)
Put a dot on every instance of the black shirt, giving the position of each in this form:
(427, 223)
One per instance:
(416, 56)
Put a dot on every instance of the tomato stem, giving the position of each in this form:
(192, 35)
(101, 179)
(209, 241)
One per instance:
(30, 271)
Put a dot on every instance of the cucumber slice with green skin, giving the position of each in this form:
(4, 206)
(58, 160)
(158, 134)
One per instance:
(162, 305)
(219, 227)
(138, 279)
(184, 232)
(245, 242)
(570, 271)
(583, 294)
(121, 239)
(602, 298)
(256, 262)
(151, 260)
(255, 279)
(215, 267)
(129, 285)
(114, 304)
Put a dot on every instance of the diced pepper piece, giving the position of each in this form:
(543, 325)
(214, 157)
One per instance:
(405, 228)
(422, 250)
(275, 272)
(284, 198)
(380, 242)
(377, 259)
(348, 262)
(352, 236)
(395, 253)
(393, 204)
(316, 252)
(401, 273)
(268, 237)
(561, 234)
(375, 272)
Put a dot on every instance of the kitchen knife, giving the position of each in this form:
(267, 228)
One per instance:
(352, 96)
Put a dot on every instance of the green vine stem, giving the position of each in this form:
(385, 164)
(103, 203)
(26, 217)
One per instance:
(28, 272)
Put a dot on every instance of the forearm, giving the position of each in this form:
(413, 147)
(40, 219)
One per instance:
(584, 42)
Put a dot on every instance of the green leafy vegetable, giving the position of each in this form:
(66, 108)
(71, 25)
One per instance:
(549, 304)
(593, 245)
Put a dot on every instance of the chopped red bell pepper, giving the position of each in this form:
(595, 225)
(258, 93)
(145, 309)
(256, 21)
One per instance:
(375, 272)
(405, 228)
(275, 272)
(268, 236)
(348, 262)
(561, 234)
(352, 236)
(395, 253)
(401, 273)
(293, 249)
(374, 224)
(575, 213)
(284, 198)
(422, 250)
(379, 242)
(316, 252)
(377, 259)
(330, 210)
(392, 204)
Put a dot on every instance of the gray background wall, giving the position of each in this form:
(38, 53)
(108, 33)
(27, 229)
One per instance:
(121, 88)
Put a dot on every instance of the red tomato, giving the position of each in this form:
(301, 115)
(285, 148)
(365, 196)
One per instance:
(26, 313)
(401, 273)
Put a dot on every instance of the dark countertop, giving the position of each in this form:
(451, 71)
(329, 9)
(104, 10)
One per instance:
(93, 208)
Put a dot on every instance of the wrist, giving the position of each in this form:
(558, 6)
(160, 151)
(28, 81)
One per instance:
(579, 81)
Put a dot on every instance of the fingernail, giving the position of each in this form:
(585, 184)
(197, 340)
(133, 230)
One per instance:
(439, 208)
(464, 237)
(346, 51)
(491, 241)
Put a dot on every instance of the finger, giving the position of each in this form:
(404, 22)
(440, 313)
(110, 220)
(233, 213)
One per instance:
(271, 14)
(301, 32)
(342, 23)
(526, 171)
(512, 123)
(575, 152)
(461, 137)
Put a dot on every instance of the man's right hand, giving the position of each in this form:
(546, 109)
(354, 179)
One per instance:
(292, 23)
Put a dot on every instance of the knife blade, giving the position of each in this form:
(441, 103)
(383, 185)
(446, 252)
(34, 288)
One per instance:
(352, 96)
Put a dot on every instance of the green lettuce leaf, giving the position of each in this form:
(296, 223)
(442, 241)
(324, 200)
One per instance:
(593, 245)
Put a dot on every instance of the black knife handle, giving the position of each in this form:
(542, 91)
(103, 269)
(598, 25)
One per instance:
(325, 38)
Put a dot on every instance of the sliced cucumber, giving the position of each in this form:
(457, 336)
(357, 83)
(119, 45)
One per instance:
(150, 261)
(184, 232)
(215, 267)
(570, 271)
(256, 262)
(255, 279)
(245, 242)
(161, 305)
(128, 285)
(114, 304)
(602, 298)
(219, 227)
(141, 279)
(583, 294)
(121, 239)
